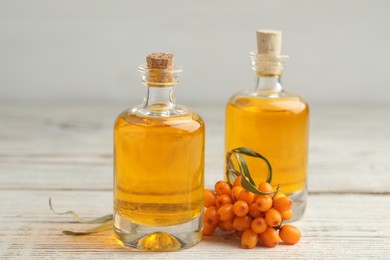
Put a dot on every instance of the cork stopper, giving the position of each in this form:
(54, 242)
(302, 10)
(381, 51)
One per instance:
(160, 72)
(269, 42)
(159, 60)
(268, 60)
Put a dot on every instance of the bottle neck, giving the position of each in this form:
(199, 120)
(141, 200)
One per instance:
(268, 68)
(270, 84)
(159, 98)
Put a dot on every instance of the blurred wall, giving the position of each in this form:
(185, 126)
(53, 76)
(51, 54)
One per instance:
(89, 50)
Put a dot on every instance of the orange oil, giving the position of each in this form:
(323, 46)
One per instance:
(159, 164)
(276, 128)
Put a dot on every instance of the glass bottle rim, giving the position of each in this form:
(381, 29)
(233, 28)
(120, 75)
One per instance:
(166, 77)
(145, 69)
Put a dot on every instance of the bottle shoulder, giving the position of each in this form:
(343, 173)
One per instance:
(178, 117)
(265, 100)
(264, 94)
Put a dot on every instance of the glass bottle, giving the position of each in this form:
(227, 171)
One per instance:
(272, 122)
(159, 166)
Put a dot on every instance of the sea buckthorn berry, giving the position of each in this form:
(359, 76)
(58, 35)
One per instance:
(273, 218)
(242, 223)
(208, 229)
(290, 234)
(283, 204)
(226, 212)
(240, 208)
(259, 225)
(226, 225)
(235, 192)
(254, 212)
(209, 198)
(263, 203)
(237, 181)
(286, 215)
(223, 200)
(278, 195)
(222, 187)
(269, 237)
(265, 187)
(211, 216)
(249, 239)
(246, 196)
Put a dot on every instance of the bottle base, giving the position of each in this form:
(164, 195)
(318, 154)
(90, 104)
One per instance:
(299, 204)
(152, 238)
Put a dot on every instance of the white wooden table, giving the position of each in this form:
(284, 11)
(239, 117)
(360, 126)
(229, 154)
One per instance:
(64, 150)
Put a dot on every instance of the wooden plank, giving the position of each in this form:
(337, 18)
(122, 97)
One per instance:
(42, 142)
(64, 150)
(335, 226)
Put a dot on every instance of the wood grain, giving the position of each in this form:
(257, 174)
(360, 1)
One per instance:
(329, 230)
(64, 150)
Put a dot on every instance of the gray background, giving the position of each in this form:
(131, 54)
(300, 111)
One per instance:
(89, 50)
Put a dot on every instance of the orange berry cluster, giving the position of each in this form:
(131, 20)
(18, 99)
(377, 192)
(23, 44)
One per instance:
(256, 218)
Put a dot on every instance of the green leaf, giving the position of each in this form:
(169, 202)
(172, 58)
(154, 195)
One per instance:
(252, 153)
(252, 188)
(249, 186)
(105, 221)
(244, 168)
(99, 220)
(247, 181)
(231, 173)
(103, 227)
(238, 158)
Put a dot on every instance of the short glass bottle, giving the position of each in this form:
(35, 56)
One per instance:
(274, 123)
(159, 169)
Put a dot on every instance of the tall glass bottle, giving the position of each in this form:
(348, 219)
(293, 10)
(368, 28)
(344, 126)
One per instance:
(159, 166)
(272, 122)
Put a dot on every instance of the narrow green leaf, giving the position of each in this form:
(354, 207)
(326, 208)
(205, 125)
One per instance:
(245, 169)
(103, 227)
(249, 186)
(99, 220)
(235, 172)
(252, 188)
(231, 173)
(247, 181)
(252, 153)
(229, 167)
(237, 156)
